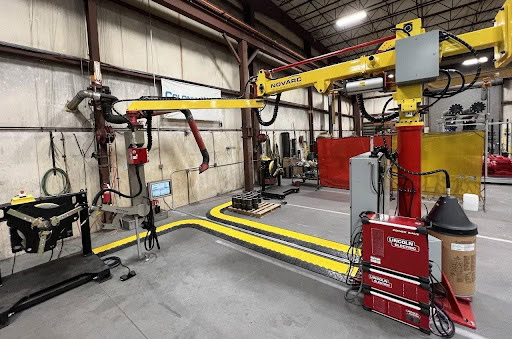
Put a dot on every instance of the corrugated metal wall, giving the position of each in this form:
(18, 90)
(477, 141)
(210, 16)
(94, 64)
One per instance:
(35, 93)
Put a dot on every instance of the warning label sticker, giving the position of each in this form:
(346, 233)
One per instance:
(463, 247)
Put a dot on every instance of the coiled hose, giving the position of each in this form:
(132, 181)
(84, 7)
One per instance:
(65, 179)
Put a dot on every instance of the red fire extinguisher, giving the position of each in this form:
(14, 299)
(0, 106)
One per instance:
(107, 196)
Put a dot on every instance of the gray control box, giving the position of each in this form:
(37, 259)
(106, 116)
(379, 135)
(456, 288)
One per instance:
(417, 58)
(435, 256)
(365, 194)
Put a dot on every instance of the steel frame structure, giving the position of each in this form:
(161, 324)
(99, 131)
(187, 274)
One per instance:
(318, 17)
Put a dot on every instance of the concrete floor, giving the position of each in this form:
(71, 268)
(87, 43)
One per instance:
(198, 286)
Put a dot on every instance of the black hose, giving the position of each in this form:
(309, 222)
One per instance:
(149, 120)
(392, 157)
(274, 116)
(470, 49)
(107, 101)
(362, 109)
(149, 224)
(100, 193)
(443, 92)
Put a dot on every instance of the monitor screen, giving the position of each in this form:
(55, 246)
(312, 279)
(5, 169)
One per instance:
(159, 189)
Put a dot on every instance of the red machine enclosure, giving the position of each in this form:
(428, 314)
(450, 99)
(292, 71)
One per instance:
(393, 283)
(408, 313)
(137, 155)
(398, 244)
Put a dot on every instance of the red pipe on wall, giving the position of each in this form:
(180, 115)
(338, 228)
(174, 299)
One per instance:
(328, 55)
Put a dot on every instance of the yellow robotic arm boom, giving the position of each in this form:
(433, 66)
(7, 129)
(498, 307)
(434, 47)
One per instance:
(408, 97)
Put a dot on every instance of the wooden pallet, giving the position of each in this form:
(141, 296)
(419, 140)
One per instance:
(265, 208)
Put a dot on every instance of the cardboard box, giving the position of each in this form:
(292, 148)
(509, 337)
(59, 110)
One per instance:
(459, 262)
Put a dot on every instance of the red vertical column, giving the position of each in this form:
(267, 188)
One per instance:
(409, 157)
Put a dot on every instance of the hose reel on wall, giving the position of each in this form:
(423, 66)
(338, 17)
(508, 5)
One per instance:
(62, 174)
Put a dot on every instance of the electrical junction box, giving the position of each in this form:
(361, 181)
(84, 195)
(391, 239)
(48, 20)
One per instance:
(137, 156)
(417, 58)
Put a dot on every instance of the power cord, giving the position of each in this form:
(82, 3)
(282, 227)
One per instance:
(113, 262)
(149, 225)
(355, 283)
(443, 325)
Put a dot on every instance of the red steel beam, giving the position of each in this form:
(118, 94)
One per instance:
(329, 55)
(99, 122)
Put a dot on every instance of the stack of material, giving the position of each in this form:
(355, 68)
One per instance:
(246, 200)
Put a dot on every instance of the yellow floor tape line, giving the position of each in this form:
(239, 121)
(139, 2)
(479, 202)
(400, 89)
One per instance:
(325, 266)
(310, 241)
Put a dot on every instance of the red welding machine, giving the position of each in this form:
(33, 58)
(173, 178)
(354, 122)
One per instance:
(137, 155)
(396, 269)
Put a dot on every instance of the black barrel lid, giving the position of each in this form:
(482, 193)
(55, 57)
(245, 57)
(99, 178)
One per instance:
(448, 217)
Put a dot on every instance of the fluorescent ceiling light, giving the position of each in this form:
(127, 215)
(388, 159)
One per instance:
(474, 61)
(350, 19)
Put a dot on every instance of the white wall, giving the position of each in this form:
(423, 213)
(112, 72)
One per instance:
(35, 93)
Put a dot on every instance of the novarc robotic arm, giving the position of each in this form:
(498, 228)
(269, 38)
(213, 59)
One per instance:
(393, 54)
(413, 54)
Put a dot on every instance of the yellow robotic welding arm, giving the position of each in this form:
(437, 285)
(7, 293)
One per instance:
(401, 56)
(408, 95)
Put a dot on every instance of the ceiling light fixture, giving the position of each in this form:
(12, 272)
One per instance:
(474, 61)
(351, 19)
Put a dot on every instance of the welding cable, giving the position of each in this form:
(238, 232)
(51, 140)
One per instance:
(412, 190)
(200, 143)
(443, 324)
(448, 93)
(113, 262)
(362, 109)
(392, 157)
(149, 225)
(355, 262)
(149, 121)
(471, 50)
(105, 190)
(442, 94)
(274, 116)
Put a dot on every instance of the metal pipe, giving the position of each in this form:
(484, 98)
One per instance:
(492, 136)
(72, 105)
(507, 136)
(328, 55)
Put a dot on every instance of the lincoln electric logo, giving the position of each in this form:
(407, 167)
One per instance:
(286, 82)
(380, 281)
(404, 244)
